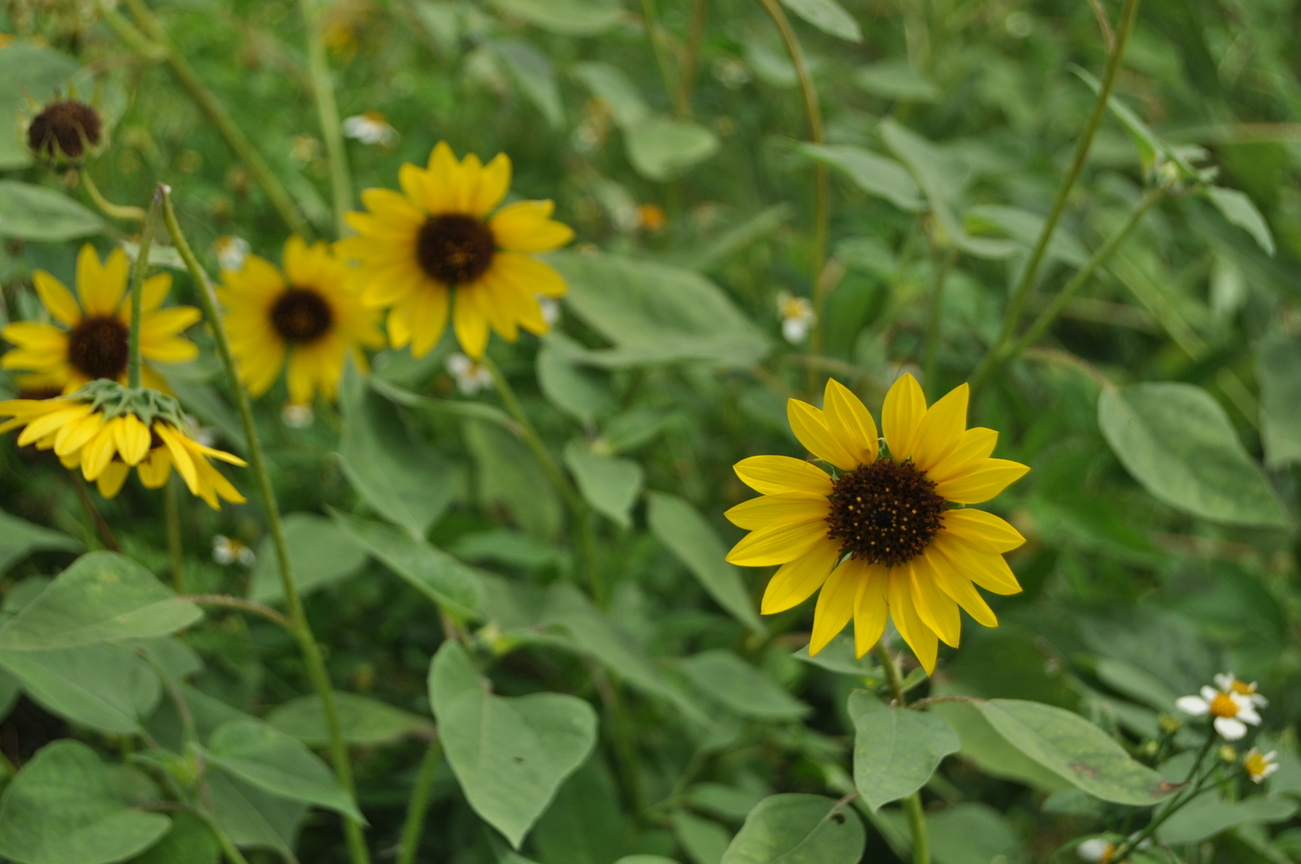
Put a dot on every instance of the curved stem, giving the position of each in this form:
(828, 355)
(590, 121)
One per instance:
(107, 207)
(651, 18)
(419, 803)
(328, 109)
(137, 289)
(301, 629)
(243, 605)
(1176, 804)
(912, 804)
(228, 847)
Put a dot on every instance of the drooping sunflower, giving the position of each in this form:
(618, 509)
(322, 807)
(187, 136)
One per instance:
(92, 342)
(884, 534)
(107, 430)
(310, 318)
(434, 244)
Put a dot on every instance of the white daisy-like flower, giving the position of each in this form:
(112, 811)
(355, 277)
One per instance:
(230, 251)
(228, 550)
(550, 310)
(1227, 682)
(797, 316)
(370, 127)
(1098, 849)
(1232, 711)
(1260, 765)
(470, 376)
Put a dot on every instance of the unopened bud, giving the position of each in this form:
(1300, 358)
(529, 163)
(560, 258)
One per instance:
(1228, 754)
(65, 131)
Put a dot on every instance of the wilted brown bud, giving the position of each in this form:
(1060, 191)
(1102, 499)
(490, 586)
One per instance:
(65, 130)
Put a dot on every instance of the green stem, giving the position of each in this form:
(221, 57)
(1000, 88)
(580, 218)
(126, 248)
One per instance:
(208, 103)
(912, 804)
(328, 109)
(228, 847)
(92, 512)
(243, 605)
(1026, 282)
(175, 546)
(125, 212)
(419, 804)
(302, 630)
(686, 84)
(651, 17)
(137, 289)
(1176, 804)
(933, 318)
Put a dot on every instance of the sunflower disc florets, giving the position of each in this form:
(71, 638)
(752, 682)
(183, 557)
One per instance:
(65, 131)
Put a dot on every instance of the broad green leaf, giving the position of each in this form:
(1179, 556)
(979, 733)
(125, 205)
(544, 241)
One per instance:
(941, 176)
(277, 763)
(1240, 210)
(363, 721)
(1208, 815)
(102, 597)
(839, 656)
(62, 809)
(714, 252)
(509, 755)
(874, 174)
(728, 802)
(895, 750)
(798, 829)
(681, 528)
(610, 484)
(991, 752)
(189, 842)
(1136, 683)
(616, 89)
(509, 477)
(1023, 226)
(576, 390)
(896, 79)
(105, 687)
(703, 840)
(407, 482)
(828, 16)
(10, 690)
(429, 570)
(319, 552)
(437, 407)
(1278, 368)
(740, 687)
(566, 17)
(27, 70)
(19, 538)
(966, 833)
(534, 75)
(252, 817)
(1176, 440)
(654, 313)
(645, 859)
(38, 213)
(586, 823)
(661, 148)
(1076, 750)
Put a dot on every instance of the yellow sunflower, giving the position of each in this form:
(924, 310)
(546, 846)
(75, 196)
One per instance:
(435, 238)
(92, 342)
(883, 535)
(108, 432)
(309, 317)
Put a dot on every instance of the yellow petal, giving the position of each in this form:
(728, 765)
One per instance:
(427, 319)
(132, 439)
(795, 581)
(785, 507)
(920, 638)
(399, 326)
(941, 428)
(529, 274)
(301, 376)
(850, 422)
(835, 604)
(155, 469)
(936, 609)
(101, 288)
(442, 177)
(173, 350)
(974, 448)
(392, 208)
(904, 407)
(98, 451)
(982, 484)
(776, 474)
(987, 569)
(51, 422)
(57, 298)
(111, 479)
(494, 180)
(949, 576)
(154, 291)
(526, 226)
(181, 456)
(982, 529)
(71, 437)
(470, 324)
(811, 429)
(871, 609)
(37, 336)
(777, 544)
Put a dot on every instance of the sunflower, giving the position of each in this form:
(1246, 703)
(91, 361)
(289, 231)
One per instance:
(107, 430)
(884, 534)
(92, 342)
(417, 248)
(309, 317)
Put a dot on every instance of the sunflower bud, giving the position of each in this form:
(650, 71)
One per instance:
(65, 131)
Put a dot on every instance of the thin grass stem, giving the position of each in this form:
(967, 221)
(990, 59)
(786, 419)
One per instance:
(137, 290)
(328, 111)
(418, 806)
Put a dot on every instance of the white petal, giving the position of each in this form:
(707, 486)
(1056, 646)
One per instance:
(1247, 714)
(1194, 705)
(1225, 681)
(1258, 700)
(1230, 729)
(1209, 694)
(1094, 850)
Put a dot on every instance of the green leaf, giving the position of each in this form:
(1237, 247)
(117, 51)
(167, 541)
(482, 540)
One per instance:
(610, 484)
(966, 833)
(895, 750)
(896, 79)
(1208, 815)
(703, 840)
(840, 657)
(1136, 683)
(661, 148)
(252, 817)
(363, 721)
(104, 687)
(1076, 750)
(874, 174)
(509, 755)
(828, 16)
(1023, 226)
(41, 214)
(576, 390)
(991, 752)
(740, 687)
(277, 763)
(102, 597)
(189, 842)
(534, 75)
(1278, 368)
(509, 477)
(10, 690)
(407, 482)
(654, 313)
(27, 70)
(609, 84)
(62, 809)
(429, 570)
(320, 553)
(941, 176)
(681, 528)
(1176, 440)
(727, 802)
(19, 538)
(1240, 210)
(566, 17)
(798, 829)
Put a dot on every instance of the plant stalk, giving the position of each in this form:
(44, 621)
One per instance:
(328, 110)
(687, 75)
(125, 212)
(651, 18)
(175, 545)
(942, 270)
(137, 289)
(257, 464)
(418, 806)
(912, 805)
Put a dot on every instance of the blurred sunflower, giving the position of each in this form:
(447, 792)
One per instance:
(92, 342)
(881, 536)
(107, 430)
(418, 246)
(309, 317)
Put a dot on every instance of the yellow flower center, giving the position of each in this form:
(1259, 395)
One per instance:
(884, 513)
(1242, 687)
(1256, 764)
(301, 315)
(64, 129)
(98, 347)
(1224, 706)
(455, 249)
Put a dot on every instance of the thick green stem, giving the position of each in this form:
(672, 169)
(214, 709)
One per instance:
(243, 605)
(328, 110)
(1176, 804)
(125, 212)
(651, 18)
(419, 804)
(302, 630)
(175, 545)
(137, 289)
(228, 847)
(687, 76)
(912, 804)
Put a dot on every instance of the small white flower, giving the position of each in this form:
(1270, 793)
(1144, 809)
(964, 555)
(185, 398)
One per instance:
(230, 251)
(1097, 849)
(470, 376)
(1227, 682)
(1231, 710)
(227, 550)
(797, 316)
(1260, 765)
(371, 127)
(550, 310)
(297, 416)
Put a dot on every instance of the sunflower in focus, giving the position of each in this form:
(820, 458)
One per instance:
(90, 340)
(434, 245)
(883, 534)
(106, 430)
(308, 318)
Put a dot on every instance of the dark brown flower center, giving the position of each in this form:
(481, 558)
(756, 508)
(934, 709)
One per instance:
(301, 315)
(38, 393)
(884, 513)
(98, 347)
(64, 129)
(455, 249)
